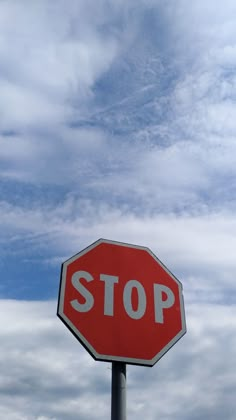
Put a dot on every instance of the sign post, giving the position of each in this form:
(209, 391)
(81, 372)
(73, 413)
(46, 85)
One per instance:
(118, 391)
(124, 306)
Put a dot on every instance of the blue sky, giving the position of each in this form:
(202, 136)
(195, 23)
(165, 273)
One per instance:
(117, 120)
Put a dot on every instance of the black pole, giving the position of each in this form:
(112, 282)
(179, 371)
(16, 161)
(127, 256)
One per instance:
(118, 391)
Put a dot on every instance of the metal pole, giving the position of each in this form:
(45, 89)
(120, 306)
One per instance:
(118, 391)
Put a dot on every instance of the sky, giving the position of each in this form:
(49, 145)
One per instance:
(117, 121)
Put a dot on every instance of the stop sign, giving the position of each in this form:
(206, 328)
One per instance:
(121, 303)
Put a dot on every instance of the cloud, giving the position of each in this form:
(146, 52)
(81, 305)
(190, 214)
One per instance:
(31, 372)
(36, 159)
(127, 133)
(117, 120)
(198, 248)
(50, 61)
(52, 377)
(97, 107)
(205, 388)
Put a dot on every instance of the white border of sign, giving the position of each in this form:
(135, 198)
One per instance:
(80, 336)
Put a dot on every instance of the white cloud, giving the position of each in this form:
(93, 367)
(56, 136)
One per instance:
(198, 248)
(166, 180)
(183, 145)
(51, 58)
(34, 370)
(35, 158)
(117, 120)
(50, 376)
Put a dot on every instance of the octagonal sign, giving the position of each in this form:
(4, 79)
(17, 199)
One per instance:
(121, 303)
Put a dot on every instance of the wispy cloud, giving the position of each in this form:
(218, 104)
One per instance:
(199, 247)
(117, 120)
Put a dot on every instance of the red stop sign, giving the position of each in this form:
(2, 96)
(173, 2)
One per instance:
(121, 303)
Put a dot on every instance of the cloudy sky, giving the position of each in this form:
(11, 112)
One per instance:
(117, 120)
